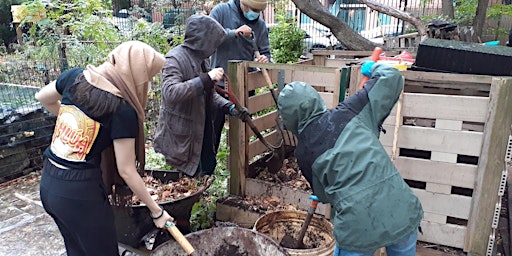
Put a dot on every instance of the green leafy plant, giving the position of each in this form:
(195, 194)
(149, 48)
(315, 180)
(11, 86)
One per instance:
(203, 212)
(286, 40)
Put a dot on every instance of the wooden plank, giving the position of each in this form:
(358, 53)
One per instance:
(432, 217)
(263, 122)
(329, 81)
(491, 164)
(459, 175)
(443, 77)
(443, 157)
(256, 147)
(338, 62)
(238, 139)
(355, 79)
(305, 68)
(453, 125)
(458, 142)
(256, 79)
(259, 102)
(439, 188)
(241, 217)
(443, 234)
(287, 195)
(447, 107)
(329, 99)
(450, 205)
(344, 53)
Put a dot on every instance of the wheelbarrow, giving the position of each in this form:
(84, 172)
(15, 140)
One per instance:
(135, 228)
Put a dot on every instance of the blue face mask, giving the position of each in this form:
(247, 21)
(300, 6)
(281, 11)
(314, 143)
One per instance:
(251, 15)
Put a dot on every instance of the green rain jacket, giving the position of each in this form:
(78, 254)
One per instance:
(340, 154)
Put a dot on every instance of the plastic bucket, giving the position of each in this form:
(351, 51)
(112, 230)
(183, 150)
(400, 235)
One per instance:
(224, 241)
(319, 237)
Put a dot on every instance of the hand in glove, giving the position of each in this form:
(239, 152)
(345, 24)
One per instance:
(242, 114)
(366, 68)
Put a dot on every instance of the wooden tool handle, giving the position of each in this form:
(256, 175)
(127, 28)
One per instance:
(178, 236)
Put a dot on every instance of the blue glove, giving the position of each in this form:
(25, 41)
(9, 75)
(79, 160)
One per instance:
(366, 68)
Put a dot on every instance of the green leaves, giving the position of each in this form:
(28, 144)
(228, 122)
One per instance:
(286, 40)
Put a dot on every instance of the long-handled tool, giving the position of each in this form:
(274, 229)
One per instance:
(178, 236)
(288, 241)
(275, 161)
(264, 71)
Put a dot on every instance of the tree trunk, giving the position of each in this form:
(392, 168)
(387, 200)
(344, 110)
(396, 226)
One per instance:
(447, 9)
(479, 20)
(343, 32)
(340, 29)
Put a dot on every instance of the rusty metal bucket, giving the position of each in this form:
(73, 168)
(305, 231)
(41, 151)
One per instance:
(224, 241)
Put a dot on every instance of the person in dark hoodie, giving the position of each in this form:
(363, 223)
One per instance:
(185, 133)
(241, 20)
(340, 154)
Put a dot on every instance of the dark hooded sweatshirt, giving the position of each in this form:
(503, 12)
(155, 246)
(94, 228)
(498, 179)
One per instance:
(185, 129)
(340, 154)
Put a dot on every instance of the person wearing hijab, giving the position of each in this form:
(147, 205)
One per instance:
(185, 132)
(242, 21)
(98, 143)
(340, 154)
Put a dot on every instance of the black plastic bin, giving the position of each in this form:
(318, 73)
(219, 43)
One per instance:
(450, 56)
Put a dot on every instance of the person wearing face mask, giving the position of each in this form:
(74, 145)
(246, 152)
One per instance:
(239, 18)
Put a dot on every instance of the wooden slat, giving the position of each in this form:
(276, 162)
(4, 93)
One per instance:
(342, 53)
(448, 107)
(439, 188)
(263, 122)
(432, 217)
(443, 234)
(259, 102)
(328, 80)
(490, 165)
(459, 175)
(338, 62)
(429, 139)
(443, 157)
(256, 147)
(238, 139)
(329, 99)
(443, 77)
(256, 79)
(288, 195)
(450, 205)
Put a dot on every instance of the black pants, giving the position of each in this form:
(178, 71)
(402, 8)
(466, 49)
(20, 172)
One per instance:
(78, 203)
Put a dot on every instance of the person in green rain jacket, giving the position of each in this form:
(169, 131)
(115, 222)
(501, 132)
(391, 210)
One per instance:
(340, 154)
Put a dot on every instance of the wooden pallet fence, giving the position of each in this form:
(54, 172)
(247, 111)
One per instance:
(451, 150)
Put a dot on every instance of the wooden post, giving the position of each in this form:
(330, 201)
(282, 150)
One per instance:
(237, 136)
(490, 167)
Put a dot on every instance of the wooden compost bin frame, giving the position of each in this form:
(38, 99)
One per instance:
(471, 124)
(325, 79)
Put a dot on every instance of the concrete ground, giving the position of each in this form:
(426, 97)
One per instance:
(25, 228)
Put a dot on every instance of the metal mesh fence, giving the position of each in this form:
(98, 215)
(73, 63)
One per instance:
(25, 126)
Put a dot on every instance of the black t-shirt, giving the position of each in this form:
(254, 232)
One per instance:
(79, 138)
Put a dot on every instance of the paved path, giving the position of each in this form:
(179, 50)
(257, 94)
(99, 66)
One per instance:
(25, 228)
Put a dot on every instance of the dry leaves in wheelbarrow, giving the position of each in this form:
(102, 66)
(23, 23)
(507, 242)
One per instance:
(174, 190)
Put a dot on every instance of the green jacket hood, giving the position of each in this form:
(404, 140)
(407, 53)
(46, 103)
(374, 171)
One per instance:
(299, 104)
